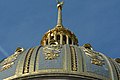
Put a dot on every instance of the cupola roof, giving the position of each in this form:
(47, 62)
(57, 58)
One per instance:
(59, 33)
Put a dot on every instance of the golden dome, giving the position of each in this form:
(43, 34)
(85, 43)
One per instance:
(59, 58)
(59, 33)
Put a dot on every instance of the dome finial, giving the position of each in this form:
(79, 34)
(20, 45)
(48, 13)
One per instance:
(59, 6)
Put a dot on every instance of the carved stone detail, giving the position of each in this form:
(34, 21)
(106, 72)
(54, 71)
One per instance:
(73, 59)
(8, 62)
(96, 58)
(51, 51)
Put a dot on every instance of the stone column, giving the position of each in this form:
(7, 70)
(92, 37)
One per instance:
(61, 39)
(67, 39)
(72, 42)
(44, 42)
(55, 36)
(49, 38)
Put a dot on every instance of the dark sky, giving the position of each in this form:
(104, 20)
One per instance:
(24, 22)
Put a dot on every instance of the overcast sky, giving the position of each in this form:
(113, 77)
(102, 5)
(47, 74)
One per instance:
(24, 22)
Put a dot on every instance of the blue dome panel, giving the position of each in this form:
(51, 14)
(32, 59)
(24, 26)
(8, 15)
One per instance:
(56, 63)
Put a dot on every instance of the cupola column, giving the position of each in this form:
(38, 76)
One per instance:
(55, 36)
(61, 39)
(72, 42)
(67, 39)
(48, 38)
(44, 42)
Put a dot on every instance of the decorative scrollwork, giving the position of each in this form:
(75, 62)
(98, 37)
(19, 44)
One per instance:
(8, 62)
(51, 51)
(117, 60)
(96, 58)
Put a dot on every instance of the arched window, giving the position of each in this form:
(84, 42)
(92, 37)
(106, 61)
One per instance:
(51, 37)
(70, 41)
(64, 39)
(74, 43)
(58, 39)
(47, 42)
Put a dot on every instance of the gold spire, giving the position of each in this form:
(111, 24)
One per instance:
(59, 34)
(59, 6)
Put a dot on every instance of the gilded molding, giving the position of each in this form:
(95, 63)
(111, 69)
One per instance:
(27, 61)
(56, 73)
(37, 57)
(96, 58)
(59, 30)
(73, 59)
(8, 62)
